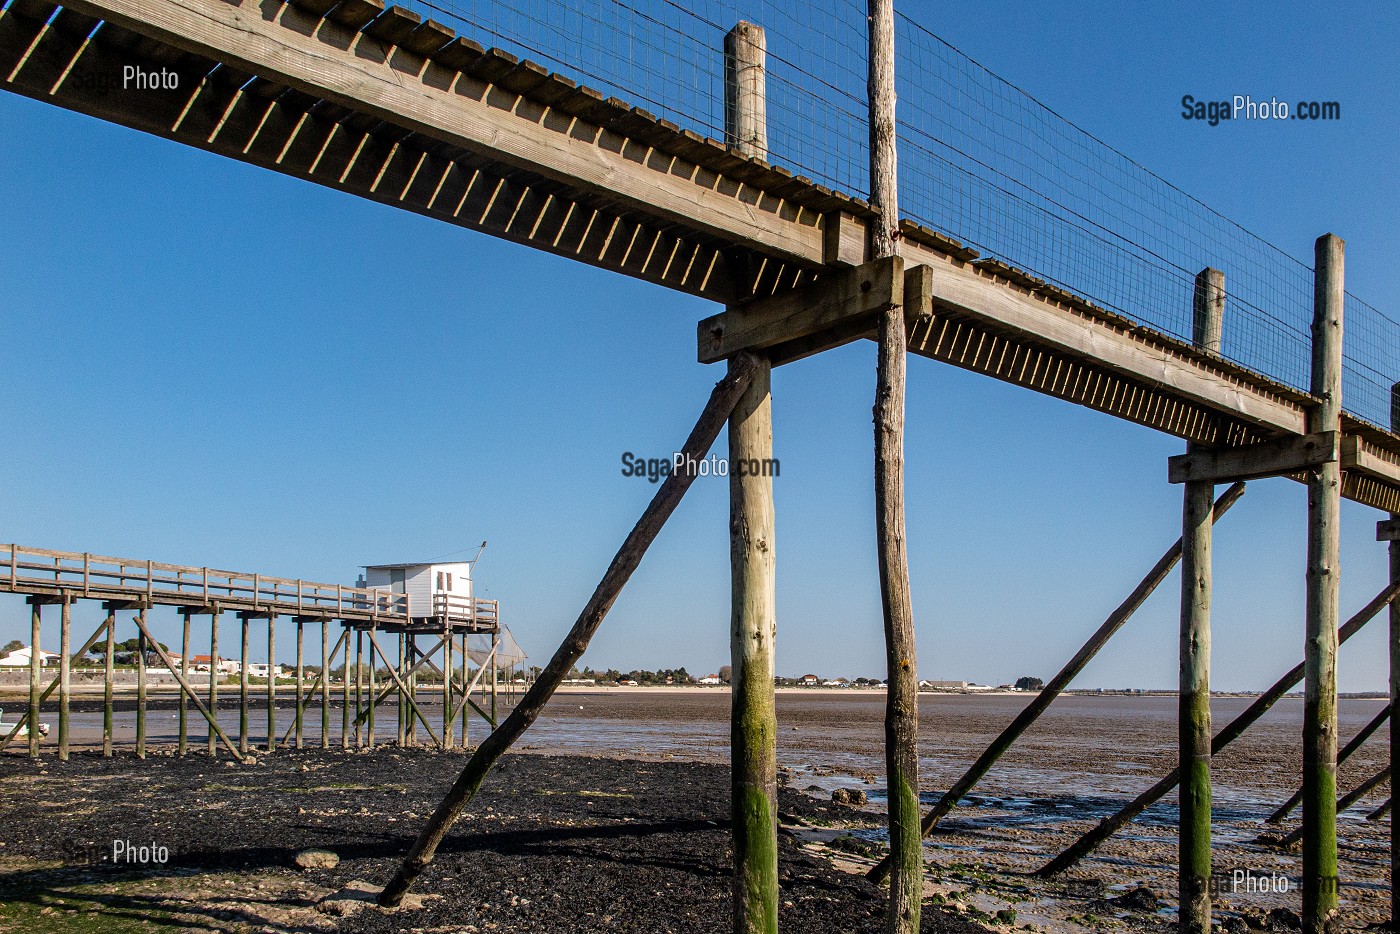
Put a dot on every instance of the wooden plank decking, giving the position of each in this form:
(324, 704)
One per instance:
(53, 576)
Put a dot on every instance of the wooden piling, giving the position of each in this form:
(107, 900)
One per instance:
(359, 686)
(369, 714)
(448, 728)
(722, 401)
(402, 701)
(65, 663)
(301, 680)
(243, 693)
(753, 630)
(213, 681)
(753, 620)
(325, 685)
(36, 660)
(141, 650)
(345, 700)
(108, 666)
(1193, 697)
(1323, 577)
(183, 742)
(495, 677)
(271, 683)
(902, 695)
(1056, 685)
(1394, 641)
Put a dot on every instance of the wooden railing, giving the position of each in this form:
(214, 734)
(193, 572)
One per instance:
(103, 577)
(481, 614)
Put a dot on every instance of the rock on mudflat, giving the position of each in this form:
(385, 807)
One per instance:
(317, 859)
(848, 796)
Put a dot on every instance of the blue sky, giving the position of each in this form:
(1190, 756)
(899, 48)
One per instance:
(206, 363)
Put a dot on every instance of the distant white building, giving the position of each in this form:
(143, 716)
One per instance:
(710, 679)
(20, 658)
(432, 589)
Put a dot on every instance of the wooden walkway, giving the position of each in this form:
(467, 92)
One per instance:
(379, 104)
(48, 576)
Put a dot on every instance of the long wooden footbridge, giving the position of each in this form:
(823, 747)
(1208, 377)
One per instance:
(382, 104)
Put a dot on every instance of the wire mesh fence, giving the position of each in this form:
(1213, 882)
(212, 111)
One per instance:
(980, 160)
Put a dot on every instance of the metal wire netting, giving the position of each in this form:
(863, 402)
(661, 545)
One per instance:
(668, 58)
(980, 160)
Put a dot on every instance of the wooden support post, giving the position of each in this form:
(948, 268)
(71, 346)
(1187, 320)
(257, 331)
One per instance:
(64, 673)
(722, 401)
(325, 685)
(448, 727)
(402, 700)
(753, 631)
(301, 680)
(1394, 642)
(1056, 685)
(243, 692)
(359, 686)
(108, 673)
(271, 683)
(369, 714)
(141, 649)
(345, 700)
(1381, 811)
(213, 681)
(753, 621)
(36, 661)
(495, 676)
(902, 695)
(1353, 744)
(183, 742)
(1193, 697)
(1323, 578)
(1227, 735)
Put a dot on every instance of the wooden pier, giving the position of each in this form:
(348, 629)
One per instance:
(433, 639)
(383, 105)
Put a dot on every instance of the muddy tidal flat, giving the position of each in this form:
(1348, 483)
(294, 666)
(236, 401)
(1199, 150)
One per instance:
(613, 816)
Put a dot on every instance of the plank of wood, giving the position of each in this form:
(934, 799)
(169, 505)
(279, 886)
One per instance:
(839, 296)
(1275, 457)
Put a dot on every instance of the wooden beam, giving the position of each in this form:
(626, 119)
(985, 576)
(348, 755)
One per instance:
(1273, 458)
(839, 297)
(844, 239)
(1362, 457)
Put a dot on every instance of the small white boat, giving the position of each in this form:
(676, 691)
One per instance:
(5, 728)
